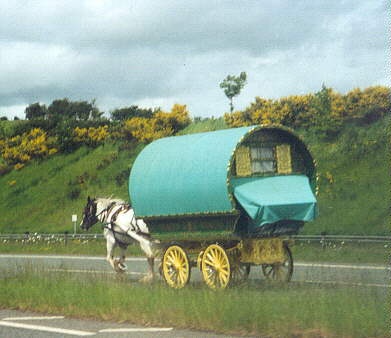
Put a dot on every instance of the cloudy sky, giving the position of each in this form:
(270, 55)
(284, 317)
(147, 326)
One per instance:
(157, 53)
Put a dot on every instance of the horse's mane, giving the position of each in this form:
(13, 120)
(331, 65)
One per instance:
(106, 201)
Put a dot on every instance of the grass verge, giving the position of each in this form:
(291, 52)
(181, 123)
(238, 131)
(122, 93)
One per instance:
(261, 310)
(341, 252)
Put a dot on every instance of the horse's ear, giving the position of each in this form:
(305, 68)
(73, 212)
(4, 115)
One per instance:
(88, 199)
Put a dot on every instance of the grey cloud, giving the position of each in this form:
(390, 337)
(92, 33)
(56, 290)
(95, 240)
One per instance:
(126, 52)
(191, 26)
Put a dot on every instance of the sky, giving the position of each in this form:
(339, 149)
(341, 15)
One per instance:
(158, 53)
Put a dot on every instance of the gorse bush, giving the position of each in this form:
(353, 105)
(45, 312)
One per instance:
(325, 112)
(23, 148)
(91, 136)
(161, 124)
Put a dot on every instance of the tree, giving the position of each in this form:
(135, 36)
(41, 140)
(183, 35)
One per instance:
(35, 111)
(59, 109)
(64, 109)
(325, 108)
(232, 86)
(126, 113)
(84, 110)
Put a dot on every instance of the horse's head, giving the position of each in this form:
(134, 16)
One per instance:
(89, 214)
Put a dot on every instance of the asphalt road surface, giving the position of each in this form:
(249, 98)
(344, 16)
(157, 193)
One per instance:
(21, 324)
(18, 324)
(350, 274)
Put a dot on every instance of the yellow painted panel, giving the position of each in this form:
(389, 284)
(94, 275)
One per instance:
(262, 251)
(243, 161)
(284, 161)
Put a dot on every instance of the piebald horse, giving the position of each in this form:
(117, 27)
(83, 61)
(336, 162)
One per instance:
(121, 228)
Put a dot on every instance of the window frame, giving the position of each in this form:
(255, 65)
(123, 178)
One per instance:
(259, 160)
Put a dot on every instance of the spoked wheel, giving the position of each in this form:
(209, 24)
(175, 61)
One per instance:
(215, 266)
(175, 267)
(240, 273)
(280, 272)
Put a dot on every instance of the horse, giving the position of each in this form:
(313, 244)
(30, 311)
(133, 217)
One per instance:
(121, 228)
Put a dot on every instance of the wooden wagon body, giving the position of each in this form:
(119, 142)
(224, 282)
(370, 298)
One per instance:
(228, 199)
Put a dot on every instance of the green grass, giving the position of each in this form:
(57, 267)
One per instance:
(294, 310)
(340, 252)
(93, 247)
(357, 201)
(43, 196)
(7, 128)
(208, 124)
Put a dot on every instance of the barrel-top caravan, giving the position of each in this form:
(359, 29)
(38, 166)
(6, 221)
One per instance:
(232, 195)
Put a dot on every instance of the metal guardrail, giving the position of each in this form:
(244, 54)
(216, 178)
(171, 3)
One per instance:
(343, 238)
(308, 238)
(38, 236)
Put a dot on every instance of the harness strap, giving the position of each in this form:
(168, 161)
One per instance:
(104, 213)
(123, 208)
(122, 244)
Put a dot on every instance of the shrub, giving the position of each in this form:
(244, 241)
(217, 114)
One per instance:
(325, 112)
(160, 125)
(91, 136)
(74, 193)
(23, 148)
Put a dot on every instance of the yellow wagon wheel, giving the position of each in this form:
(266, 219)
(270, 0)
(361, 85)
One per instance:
(240, 272)
(215, 266)
(175, 267)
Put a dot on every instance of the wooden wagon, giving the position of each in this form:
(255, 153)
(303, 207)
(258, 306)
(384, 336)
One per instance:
(225, 200)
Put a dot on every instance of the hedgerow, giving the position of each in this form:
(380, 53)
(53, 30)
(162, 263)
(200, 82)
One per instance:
(325, 112)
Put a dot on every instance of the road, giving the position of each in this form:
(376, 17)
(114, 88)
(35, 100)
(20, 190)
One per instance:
(351, 274)
(19, 324)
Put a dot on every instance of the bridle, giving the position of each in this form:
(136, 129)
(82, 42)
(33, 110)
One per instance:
(90, 215)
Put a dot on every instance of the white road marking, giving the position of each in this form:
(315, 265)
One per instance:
(137, 329)
(344, 266)
(46, 328)
(34, 318)
(92, 258)
(347, 283)
(94, 271)
(138, 259)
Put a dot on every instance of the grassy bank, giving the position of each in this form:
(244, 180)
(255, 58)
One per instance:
(354, 183)
(276, 311)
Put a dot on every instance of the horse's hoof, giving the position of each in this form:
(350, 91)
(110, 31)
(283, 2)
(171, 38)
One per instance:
(122, 266)
(146, 279)
(119, 266)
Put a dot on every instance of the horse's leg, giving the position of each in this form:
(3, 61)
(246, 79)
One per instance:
(110, 245)
(150, 259)
(151, 265)
(148, 247)
(121, 262)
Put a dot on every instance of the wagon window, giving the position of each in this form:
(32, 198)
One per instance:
(262, 159)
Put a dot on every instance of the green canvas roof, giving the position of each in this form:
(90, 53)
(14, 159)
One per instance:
(189, 175)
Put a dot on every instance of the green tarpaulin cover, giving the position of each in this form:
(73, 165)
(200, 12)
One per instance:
(184, 175)
(191, 175)
(272, 199)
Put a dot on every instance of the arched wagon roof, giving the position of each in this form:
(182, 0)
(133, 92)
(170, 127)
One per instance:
(190, 174)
